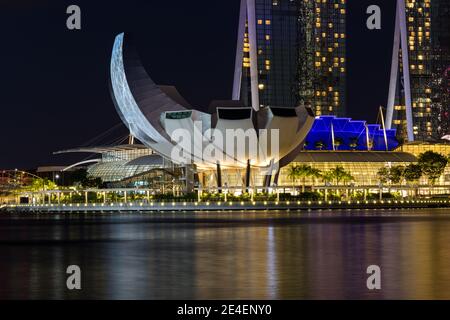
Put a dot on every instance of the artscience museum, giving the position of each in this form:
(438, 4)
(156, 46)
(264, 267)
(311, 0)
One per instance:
(230, 137)
(178, 147)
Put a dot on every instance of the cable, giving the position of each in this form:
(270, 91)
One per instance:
(102, 135)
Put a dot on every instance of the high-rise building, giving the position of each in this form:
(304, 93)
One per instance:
(299, 49)
(322, 68)
(413, 107)
(440, 31)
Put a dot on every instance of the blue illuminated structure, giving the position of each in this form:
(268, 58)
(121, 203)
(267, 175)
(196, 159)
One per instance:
(348, 135)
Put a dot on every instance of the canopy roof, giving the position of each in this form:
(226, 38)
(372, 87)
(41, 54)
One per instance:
(104, 149)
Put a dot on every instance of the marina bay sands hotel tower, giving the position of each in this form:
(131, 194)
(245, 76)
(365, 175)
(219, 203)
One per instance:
(294, 51)
(418, 104)
(291, 52)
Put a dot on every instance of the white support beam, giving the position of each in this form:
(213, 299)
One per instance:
(401, 7)
(400, 41)
(239, 52)
(252, 33)
(394, 72)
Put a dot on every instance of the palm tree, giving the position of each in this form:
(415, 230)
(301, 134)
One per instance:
(338, 142)
(327, 176)
(370, 146)
(303, 171)
(292, 174)
(319, 145)
(347, 177)
(339, 174)
(353, 143)
(315, 173)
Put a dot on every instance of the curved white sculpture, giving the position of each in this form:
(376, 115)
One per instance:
(186, 136)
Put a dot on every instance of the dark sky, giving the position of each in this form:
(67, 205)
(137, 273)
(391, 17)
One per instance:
(54, 82)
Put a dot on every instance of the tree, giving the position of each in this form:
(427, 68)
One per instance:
(303, 171)
(433, 165)
(42, 185)
(292, 173)
(396, 174)
(353, 143)
(347, 177)
(319, 145)
(315, 173)
(370, 146)
(339, 174)
(327, 177)
(383, 175)
(81, 177)
(412, 173)
(338, 142)
(93, 183)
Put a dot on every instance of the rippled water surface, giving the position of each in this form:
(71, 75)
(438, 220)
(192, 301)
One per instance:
(248, 255)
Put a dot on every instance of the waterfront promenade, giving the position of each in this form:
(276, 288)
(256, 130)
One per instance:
(224, 206)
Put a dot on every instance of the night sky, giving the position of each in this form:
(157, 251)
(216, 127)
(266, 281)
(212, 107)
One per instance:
(54, 82)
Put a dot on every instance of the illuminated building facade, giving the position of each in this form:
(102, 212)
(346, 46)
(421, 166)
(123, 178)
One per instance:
(299, 49)
(440, 30)
(334, 134)
(417, 148)
(414, 99)
(364, 166)
(322, 68)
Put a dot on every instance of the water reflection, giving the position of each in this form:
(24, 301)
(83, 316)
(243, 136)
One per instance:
(275, 255)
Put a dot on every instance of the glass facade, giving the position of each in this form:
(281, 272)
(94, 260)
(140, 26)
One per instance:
(301, 55)
(440, 30)
(364, 173)
(277, 51)
(428, 50)
(115, 165)
(363, 166)
(322, 69)
(418, 148)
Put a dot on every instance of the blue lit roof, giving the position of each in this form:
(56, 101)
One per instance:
(349, 135)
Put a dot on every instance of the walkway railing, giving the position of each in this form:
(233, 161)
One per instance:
(227, 206)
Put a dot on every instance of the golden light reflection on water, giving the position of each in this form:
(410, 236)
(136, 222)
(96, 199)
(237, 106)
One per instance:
(277, 255)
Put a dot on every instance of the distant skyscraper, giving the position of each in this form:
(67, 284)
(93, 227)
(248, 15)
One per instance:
(412, 105)
(322, 45)
(299, 49)
(440, 33)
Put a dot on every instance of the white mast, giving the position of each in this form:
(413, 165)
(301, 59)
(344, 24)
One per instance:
(384, 129)
(400, 41)
(332, 136)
